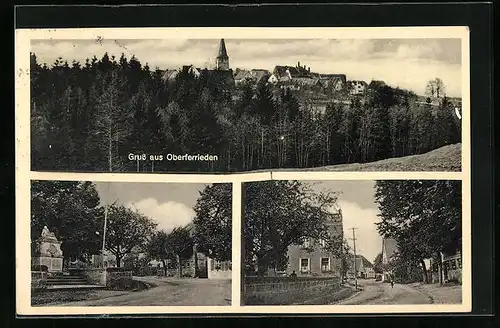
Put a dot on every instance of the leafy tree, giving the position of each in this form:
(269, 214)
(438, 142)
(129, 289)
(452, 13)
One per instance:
(180, 243)
(157, 248)
(126, 230)
(71, 210)
(213, 228)
(424, 216)
(278, 214)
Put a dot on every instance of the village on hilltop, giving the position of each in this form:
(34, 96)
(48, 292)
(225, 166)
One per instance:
(315, 89)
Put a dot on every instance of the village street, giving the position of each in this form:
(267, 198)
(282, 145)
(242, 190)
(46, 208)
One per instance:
(169, 292)
(376, 292)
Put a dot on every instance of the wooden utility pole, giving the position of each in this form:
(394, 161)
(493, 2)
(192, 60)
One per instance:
(105, 226)
(354, 246)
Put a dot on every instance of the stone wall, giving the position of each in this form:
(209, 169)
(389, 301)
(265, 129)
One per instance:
(110, 279)
(283, 290)
(119, 279)
(95, 276)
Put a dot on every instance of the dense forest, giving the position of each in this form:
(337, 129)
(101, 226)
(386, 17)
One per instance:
(91, 116)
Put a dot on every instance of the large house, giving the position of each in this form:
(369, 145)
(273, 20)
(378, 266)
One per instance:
(311, 258)
(254, 75)
(357, 87)
(451, 268)
(335, 82)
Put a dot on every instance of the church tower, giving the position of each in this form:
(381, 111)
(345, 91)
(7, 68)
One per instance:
(222, 60)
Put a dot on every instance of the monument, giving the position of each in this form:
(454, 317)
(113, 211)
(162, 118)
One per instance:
(49, 251)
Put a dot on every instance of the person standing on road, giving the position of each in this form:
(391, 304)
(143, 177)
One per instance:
(392, 283)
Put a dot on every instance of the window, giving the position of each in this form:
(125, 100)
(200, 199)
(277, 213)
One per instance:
(305, 242)
(322, 242)
(325, 264)
(453, 264)
(459, 262)
(304, 265)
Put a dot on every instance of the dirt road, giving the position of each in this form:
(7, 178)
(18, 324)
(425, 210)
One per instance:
(170, 292)
(375, 292)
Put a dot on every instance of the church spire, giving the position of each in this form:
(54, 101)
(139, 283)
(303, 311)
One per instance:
(222, 61)
(222, 50)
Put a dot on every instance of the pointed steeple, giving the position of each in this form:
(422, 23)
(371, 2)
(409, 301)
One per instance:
(222, 50)
(222, 60)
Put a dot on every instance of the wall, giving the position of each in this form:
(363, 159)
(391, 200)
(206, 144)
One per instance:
(218, 270)
(285, 290)
(95, 276)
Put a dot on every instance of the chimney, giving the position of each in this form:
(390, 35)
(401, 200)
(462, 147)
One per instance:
(298, 64)
(309, 69)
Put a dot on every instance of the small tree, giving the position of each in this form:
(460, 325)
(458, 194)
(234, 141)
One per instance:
(181, 245)
(158, 249)
(127, 229)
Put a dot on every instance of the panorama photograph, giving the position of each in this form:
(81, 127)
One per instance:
(243, 105)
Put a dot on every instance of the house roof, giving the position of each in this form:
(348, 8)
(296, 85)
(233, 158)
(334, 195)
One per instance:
(358, 82)
(260, 73)
(281, 71)
(306, 81)
(170, 74)
(241, 74)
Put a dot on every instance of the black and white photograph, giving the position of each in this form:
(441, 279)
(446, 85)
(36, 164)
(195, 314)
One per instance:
(224, 105)
(130, 244)
(352, 242)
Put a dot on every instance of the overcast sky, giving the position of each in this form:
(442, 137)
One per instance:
(169, 204)
(407, 63)
(359, 211)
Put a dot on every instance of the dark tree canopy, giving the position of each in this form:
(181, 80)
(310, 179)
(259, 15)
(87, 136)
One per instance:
(91, 116)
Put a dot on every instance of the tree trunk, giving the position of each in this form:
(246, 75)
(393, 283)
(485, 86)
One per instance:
(195, 260)
(118, 260)
(179, 266)
(424, 271)
(110, 146)
(164, 267)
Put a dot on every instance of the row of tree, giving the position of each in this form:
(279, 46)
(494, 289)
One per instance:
(91, 117)
(425, 219)
(73, 211)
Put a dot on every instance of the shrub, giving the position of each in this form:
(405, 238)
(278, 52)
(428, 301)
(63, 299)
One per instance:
(38, 285)
(116, 269)
(37, 267)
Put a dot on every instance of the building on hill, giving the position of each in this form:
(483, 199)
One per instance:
(357, 87)
(389, 249)
(311, 258)
(335, 82)
(253, 76)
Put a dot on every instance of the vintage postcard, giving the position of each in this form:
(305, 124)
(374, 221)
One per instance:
(243, 170)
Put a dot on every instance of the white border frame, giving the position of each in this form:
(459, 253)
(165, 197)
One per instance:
(24, 175)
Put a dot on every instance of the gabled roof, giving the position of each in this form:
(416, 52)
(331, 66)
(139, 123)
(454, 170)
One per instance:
(332, 76)
(241, 74)
(281, 71)
(170, 74)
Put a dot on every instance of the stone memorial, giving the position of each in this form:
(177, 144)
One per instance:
(49, 251)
